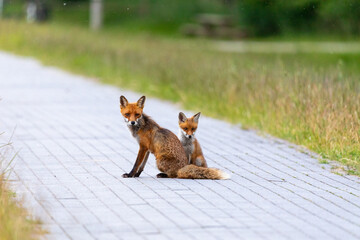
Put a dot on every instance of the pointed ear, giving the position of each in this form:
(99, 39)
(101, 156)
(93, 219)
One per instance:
(123, 101)
(196, 117)
(141, 102)
(182, 117)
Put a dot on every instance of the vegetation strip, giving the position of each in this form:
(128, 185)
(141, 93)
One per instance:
(16, 222)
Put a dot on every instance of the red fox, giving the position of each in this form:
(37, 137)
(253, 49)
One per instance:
(188, 127)
(170, 155)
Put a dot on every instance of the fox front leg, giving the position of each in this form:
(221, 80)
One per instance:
(139, 160)
(143, 164)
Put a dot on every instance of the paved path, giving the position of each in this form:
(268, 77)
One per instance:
(74, 147)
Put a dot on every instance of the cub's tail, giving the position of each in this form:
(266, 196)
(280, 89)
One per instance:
(195, 172)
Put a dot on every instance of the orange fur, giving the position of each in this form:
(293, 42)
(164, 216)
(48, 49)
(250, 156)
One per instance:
(170, 155)
(188, 127)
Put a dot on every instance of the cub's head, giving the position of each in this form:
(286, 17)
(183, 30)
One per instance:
(188, 126)
(132, 112)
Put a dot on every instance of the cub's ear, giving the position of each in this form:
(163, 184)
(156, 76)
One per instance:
(123, 102)
(196, 117)
(141, 102)
(182, 117)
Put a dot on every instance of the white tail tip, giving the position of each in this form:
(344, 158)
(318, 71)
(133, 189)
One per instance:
(224, 175)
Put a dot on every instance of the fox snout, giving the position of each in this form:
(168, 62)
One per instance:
(191, 135)
(188, 135)
(131, 121)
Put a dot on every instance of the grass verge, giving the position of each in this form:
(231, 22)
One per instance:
(15, 222)
(308, 99)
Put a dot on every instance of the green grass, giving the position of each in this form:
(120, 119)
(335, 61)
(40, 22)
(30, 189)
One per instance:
(16, 222)
(308, 99)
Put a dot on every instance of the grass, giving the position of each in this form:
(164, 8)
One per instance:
(308, 99)
(16, 222)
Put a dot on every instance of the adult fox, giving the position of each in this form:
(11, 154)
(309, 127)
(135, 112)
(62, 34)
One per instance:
(170, 155)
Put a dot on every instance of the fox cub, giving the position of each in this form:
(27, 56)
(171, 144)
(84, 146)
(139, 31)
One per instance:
(170, 155)
(188, 127)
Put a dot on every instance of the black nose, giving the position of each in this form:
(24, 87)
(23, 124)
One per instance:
(132, 122)
(190, 136)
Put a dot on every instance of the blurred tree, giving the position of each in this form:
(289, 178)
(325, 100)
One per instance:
(1, 8)
(259, 16)
(343, 16)
(270, 17)
(96, 14)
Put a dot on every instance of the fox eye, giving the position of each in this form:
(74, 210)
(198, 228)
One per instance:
(193, 129)
(185, 129)
(127, 114)
(137, 115)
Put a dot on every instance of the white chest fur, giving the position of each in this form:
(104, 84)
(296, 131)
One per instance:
(188, 145)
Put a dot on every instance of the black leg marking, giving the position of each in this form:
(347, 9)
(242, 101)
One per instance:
(138, 174)
(162, 175)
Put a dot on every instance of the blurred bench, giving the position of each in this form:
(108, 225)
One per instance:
(213, 26)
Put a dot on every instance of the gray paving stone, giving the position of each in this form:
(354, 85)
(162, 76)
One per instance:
(74, 147)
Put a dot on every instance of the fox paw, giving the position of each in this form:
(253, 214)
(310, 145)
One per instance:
(162, 175)
(126, 175)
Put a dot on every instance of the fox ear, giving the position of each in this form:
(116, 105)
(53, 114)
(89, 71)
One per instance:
(123, 101)
(196, 117)
(141, 102)
(182, 117)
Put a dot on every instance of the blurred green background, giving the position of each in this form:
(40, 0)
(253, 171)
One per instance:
(258, 18)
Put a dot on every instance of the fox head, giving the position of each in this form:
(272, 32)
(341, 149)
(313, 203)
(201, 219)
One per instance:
(188, 126)
(132, 112)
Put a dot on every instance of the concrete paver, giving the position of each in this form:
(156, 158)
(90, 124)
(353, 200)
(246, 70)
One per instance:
(74, 146)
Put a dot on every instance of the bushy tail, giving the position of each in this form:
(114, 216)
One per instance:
(195, 172)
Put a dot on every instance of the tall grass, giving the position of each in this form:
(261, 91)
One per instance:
(15, 222)
(308, 99)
